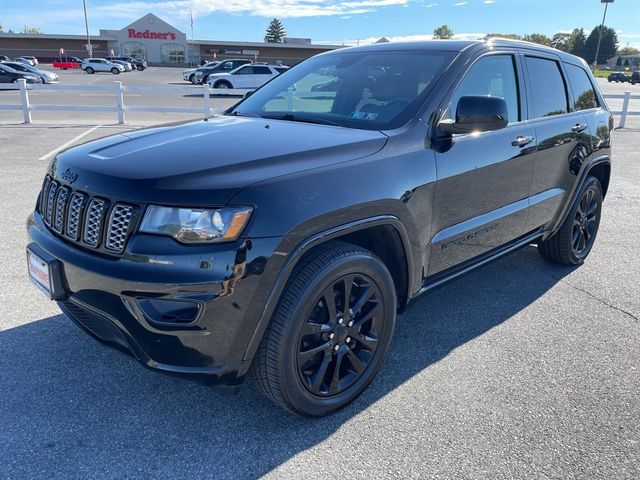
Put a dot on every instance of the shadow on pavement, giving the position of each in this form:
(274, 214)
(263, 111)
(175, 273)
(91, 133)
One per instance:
(72, 408)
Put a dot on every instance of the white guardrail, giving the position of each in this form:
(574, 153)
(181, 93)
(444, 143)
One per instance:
(118, 90)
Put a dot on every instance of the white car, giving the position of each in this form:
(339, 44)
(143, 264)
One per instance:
(189, 75)
(25, 60)
(93, 65)
(46, 76)
(249, 76)
(127, 66)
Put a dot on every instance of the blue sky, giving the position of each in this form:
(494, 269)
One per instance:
(331, 21)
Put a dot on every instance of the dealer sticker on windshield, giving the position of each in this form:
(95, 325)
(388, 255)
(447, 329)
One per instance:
(364, 115)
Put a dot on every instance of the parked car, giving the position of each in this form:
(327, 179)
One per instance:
(287, 250)
(4, 58)
(24, 60)
(635, 77)
(127, 66)
(137, 63)
(46, 76)
(30, 58)
(65, 63)
(249, 76)
(9, 75)
(202, 73)
(92, 65)
(189, 75)
(618, 77)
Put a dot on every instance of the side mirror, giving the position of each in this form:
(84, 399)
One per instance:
(476, 113)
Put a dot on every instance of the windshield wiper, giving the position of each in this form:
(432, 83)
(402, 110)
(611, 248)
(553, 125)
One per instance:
(295, 118)
(237, 113)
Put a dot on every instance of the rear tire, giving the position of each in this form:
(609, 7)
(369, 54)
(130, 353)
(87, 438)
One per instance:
(115, 71)
(140, 68)
(571, 244)
(319, 353)
(89, 70)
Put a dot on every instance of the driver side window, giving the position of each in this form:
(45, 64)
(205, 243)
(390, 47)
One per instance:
(495, 76)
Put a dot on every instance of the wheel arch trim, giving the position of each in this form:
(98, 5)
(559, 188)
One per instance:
(313, 241)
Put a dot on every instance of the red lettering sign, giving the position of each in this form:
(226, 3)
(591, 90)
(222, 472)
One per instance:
(133, 33)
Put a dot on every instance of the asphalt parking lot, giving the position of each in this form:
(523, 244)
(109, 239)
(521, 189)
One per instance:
(517, 370)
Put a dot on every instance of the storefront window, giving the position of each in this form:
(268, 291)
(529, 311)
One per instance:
(172, 53)
(133, 49)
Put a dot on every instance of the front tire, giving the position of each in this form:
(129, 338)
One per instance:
(222, 84)
(140, 68)
(115, 71)
(330, 332)
(571, 244)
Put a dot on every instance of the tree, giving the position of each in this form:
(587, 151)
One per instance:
(561, 41)
(578, 43)
(608, 45)
(626, 62)
(537, 38)
(443, 32)
(275, 32)
(622, 51)
(619, 61)
(31, 30)
(512, 36)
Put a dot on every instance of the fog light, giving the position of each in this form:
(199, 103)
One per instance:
(169, 312)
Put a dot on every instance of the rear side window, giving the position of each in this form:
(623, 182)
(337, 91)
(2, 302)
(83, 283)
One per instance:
(493, 75)
(583, 92)
(548, 91)
(261, 71)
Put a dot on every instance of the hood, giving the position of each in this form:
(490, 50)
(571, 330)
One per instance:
(207, 162)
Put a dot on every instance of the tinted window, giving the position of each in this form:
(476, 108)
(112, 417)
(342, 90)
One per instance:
(261, 70)
(494, 76)
(374, 90)
(281, 70)
(547, 87)
(583, 92)
(248, 70)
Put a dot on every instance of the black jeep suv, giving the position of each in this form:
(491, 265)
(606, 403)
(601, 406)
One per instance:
(287, 249)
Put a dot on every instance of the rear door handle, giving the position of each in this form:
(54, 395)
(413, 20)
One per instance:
(522, 140)
(579, 127)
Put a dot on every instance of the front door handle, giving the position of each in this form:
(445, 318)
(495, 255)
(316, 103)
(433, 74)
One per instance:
(522, 140)
(579, 127)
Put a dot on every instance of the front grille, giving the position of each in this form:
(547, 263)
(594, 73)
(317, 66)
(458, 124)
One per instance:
(119, 221)
(89, 221)
(93, 222)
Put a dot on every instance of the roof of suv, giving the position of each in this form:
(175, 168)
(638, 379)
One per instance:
(456, 46)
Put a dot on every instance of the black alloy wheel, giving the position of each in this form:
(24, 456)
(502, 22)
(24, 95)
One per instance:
(573, 241)
(330, 332)
(585, 222)
(340, 336)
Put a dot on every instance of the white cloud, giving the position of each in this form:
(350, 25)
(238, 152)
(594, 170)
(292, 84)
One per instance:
(431, 5)
(488, 2)
(459, 4)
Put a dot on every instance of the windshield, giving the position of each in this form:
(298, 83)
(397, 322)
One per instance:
(370, 90)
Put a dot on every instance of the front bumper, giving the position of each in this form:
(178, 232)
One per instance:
(106, 297)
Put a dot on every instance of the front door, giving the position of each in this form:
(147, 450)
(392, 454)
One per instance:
(481, 198)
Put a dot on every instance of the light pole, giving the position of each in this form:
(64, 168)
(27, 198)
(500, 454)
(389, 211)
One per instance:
(606, 4)
(86, 26)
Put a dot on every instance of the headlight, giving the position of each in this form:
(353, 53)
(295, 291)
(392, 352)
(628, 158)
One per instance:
(196, 225)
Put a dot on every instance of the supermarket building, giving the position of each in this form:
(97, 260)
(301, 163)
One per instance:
(159, 43)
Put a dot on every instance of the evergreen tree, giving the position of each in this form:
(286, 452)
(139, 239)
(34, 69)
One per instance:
(578, 42)
(275, 32)
(608, 45)
(619, 61)
(626, 62)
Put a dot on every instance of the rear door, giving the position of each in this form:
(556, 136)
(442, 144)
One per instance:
(481, 197)
(243, 77)
(562, 134)
(261, 75)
